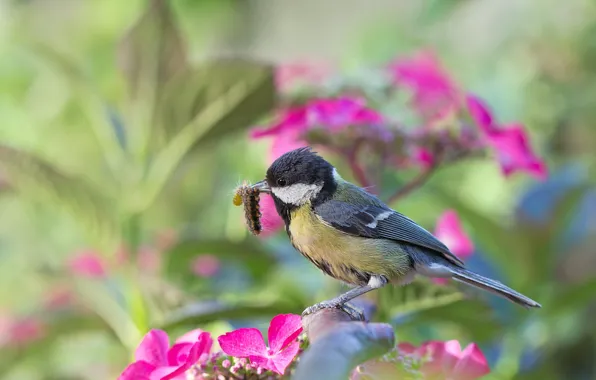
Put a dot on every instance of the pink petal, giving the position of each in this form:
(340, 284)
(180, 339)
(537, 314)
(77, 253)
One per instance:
(472, 364)
(88, 264)
(450, 231)
(205, 265)
(277, 362)
(139, 370)
(169, 372)
(480, 113)
(435, 94)
(289, 119)
(178, 354)
(442, 358)
(190, 337)
(514, 152)
(284, 143)
(270, 219)
(191, 359)
(243, 343)
(154, 348)
(283, 330)
(423, 157)
(334, 114)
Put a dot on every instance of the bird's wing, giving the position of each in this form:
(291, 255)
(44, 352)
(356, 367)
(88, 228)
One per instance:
(379, 221)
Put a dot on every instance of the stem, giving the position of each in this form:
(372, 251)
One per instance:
(357, 170)
(415, 183)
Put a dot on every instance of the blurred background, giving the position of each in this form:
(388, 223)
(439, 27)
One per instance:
(124, 130)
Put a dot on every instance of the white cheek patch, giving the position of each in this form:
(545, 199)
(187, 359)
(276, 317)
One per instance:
(296, 194)
(381, 216)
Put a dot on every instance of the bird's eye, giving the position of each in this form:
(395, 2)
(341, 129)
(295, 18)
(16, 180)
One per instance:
(281, 182)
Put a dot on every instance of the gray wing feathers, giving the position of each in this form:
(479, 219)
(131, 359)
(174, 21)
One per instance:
(379, 221)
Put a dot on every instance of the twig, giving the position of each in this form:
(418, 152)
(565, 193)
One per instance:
(338, 344)
(357, 170)
(415, 183)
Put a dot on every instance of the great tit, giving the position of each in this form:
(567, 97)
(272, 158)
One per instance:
(354, 237)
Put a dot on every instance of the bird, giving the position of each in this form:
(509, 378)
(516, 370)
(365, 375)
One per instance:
(352, 236)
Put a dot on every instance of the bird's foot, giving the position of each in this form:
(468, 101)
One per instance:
(354, 313)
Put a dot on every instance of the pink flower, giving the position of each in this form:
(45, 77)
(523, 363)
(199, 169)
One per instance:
(19, 332)
(332, 114)
(434, 93)
(449, 230)
(423, 157)
(205, 265)
(289, 75)
(88, 264)
(447, 361)
(249, 343)
(514, 152)
(480, 114)
(270, 219)
(283, 143)
(148, 259)
(510, 143)
(156, 360)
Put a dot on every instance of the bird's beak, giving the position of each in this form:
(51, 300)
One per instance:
(262, 186)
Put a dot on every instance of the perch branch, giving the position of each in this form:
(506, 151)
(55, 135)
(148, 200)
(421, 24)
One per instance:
(338, 343)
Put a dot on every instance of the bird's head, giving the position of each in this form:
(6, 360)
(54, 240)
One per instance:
(298, 176)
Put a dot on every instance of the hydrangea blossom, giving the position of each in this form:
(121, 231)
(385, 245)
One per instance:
(249, 343)
(156, 360)
(447, 360)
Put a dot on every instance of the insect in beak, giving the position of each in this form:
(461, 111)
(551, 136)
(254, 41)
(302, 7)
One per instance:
(262, 186)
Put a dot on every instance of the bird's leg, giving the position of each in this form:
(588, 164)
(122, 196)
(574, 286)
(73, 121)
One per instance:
(375, 282)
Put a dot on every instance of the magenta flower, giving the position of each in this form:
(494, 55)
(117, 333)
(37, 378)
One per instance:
(448, 361)
(19, 332)
(435, 95)
(270, 219)
(333, 115)
(449, 230)
(510, 143)
(283, 143)
(283, 345)
(156, 360)
(88, 264)
(514, 153)
(481, 114)
(205, 265)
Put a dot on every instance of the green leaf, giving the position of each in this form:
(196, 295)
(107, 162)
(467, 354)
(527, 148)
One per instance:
(252, 255)
(233, 94)
(194, 89)
(203, 312)
(38, 178)
(152, 51)
(149, 55)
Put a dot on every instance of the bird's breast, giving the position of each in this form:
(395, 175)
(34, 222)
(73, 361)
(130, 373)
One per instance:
(348, 258)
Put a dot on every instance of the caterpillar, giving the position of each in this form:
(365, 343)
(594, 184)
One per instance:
(249, 197)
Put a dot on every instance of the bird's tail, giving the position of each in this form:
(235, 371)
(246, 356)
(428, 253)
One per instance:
(476, 280)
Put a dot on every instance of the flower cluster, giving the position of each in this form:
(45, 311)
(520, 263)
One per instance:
(433, 360)
(245, 355)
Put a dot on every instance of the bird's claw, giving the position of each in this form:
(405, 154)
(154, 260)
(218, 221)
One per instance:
(354, 313)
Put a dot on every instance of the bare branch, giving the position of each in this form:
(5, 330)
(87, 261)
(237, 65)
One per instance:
(338, 344)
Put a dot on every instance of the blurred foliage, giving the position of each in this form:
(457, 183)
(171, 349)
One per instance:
(123, 120)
